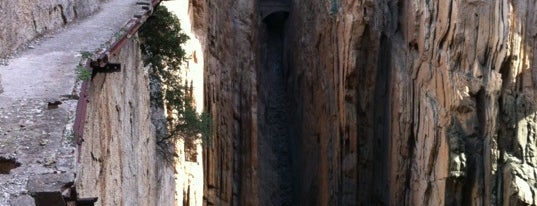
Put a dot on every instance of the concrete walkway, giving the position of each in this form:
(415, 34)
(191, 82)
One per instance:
(48, 70)
(38, 101)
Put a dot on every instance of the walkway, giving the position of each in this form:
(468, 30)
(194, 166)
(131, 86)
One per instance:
(38, 96)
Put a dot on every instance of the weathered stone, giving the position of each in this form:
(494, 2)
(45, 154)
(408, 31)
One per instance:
(49, 182)
(23, 200)
(119, 163)
(231, 47)
(431, 100)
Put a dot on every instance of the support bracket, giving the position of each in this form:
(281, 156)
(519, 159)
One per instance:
(105, 67)
(108, 68)
(86, 201)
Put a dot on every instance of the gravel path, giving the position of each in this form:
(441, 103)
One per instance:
(38, 100)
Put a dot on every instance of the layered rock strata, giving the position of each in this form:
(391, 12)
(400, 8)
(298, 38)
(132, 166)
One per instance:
(393, 102)
(229, 33)
(415, 103)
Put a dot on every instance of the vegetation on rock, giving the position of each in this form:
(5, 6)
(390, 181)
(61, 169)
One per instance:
(83, 73)
(161, 43)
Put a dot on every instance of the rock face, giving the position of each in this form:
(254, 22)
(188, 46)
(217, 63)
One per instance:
(228, 30)
(118, 159)
(391, 102)
(30, 19)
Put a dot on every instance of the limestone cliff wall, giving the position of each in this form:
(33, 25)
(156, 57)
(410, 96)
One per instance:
(414, 102)
(392, 102)
(228, 31)
(118, 159)
(26, 20)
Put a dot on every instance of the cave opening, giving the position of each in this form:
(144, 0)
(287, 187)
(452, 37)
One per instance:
(7, 164)
(275, 162)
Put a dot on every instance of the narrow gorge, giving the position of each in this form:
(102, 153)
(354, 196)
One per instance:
(275, 171)
(312, 102)
(385, 103)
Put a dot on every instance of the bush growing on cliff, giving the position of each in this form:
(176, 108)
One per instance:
(83, 73)
(161, 43)
(162, 40)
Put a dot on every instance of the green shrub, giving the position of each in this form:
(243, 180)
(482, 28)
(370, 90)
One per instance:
(162, 40)
(83, 73)
(161, 43)
(86, 54)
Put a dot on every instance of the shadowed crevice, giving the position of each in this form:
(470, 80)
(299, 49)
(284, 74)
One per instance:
(275, 167)
(7, 164)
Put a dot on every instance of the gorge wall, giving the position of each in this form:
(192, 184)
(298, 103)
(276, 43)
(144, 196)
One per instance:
(390, 102)
(118, 160)
(228, 31)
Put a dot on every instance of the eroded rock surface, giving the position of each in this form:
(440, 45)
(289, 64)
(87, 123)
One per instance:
(229, 33)
(119, 163)
(415, 103)
(392, 102)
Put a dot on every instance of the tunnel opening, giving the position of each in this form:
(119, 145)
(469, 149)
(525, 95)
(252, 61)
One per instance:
(275, 162)
(276, 19)
(7, 164)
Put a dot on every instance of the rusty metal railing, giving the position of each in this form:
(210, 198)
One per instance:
(130, 28)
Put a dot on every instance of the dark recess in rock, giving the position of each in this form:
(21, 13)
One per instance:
(275, 162)
(276, 19)
(7, 164)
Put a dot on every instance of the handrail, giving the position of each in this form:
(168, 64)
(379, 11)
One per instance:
(131, 27)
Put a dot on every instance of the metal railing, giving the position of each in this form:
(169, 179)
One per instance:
(130, 28)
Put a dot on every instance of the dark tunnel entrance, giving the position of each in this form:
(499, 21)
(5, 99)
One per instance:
(275, 163)
(276, 19)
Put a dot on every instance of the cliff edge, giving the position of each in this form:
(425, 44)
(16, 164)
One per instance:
(40, 161)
